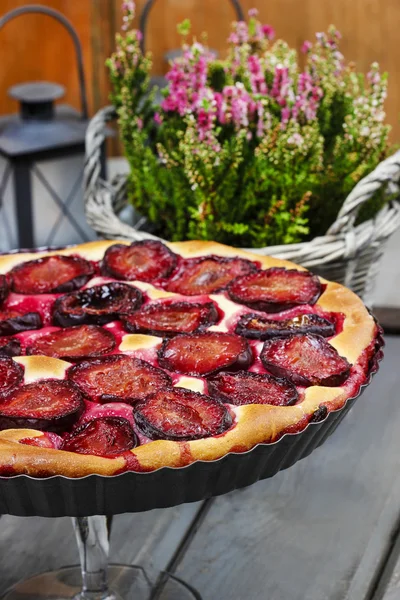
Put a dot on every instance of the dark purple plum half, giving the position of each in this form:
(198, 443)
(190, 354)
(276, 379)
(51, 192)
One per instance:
(179, 414)
(169, 319)
(13, 321)
(74, 343)
(105, 436)
(306, 360)
(275, 289)
(206, 353)
(51, 275)
(48, 405)
(257, 327)
(96, 305)
(118, 378)
(10, 346)
(11, 375)
(208, 274)
(144, 261)
(252, 388)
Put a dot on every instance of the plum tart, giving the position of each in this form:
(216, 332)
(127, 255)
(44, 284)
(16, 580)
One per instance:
(118, 356)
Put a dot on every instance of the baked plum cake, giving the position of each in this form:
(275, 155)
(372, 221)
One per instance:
(119, 356)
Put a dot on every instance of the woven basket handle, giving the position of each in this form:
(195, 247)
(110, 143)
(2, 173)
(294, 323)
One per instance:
(388, 170)
(149, 4)
(95, 136)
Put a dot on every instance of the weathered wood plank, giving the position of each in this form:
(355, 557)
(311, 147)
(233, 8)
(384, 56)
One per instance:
(32, 545)
(388, 587)
(320, 530)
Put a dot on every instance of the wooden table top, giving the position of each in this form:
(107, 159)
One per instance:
(325, 529)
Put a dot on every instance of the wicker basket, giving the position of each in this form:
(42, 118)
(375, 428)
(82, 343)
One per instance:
(347, 254)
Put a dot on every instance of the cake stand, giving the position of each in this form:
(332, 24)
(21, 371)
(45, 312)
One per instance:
(93, 499)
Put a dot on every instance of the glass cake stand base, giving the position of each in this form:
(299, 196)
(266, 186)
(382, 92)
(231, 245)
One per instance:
(124, 583)
(94, 579)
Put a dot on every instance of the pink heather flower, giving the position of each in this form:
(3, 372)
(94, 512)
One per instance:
(335, 32)
(157, 118)
(306, 47)
(260, 121)
(257, 79)
(233, 38)
(128, 7)
(139, 122)
(373, 77)
(241, 33)
(280, 82)
(253, 12)
(220, 107)
(188, 79)
(285, 115)
(237, 106)
(139, 35)
(254, 64)
(268, 32)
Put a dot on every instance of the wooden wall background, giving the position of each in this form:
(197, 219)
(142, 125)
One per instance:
(35, 47)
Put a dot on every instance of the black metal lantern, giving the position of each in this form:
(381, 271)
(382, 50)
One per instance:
(34, 140)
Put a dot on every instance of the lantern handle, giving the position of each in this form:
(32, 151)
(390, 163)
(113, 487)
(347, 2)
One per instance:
(44, 10)
(149, 4)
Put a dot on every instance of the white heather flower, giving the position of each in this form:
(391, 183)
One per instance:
(380, 116)
(295, 139)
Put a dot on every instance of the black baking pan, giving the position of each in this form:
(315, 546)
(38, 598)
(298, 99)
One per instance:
(57, 496)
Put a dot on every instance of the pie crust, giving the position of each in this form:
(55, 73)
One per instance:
(253, 424)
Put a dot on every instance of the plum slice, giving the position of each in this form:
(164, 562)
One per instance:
(10, 346)
(275, 289)
(11, 375)
(252, 388)
(306, 360)
(3, 288)
(51, 275)
(257, 327)
(179, 414)
(13, 321)
(205, 353)
(168, 319)
(144, 261)
(96, 305)
(105, 436)
(208, 274)
(49, 405)
(74, 343)
(118, 378)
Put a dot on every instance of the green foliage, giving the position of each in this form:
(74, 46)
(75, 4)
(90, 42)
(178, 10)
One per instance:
(274, 178)
(184, 27)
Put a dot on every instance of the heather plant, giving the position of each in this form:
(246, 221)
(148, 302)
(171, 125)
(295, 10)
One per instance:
(256, 149)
